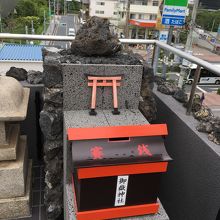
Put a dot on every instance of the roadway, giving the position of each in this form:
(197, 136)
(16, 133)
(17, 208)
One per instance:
(212, 100)
(62, 28)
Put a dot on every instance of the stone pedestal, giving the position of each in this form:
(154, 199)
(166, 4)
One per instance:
(17, 207)
(3, 134)
(15, 173)
(8, 150)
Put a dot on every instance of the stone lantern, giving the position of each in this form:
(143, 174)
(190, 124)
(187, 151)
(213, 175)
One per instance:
(15, 169)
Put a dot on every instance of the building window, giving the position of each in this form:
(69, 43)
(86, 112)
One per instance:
(141, 16)
(100, 3)
(155, 3)
(139, 2)
(153, 17)
(132, 16)
(115, 13)
(99, 12)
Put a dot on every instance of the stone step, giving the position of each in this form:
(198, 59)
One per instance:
(18, 207)
(13, 173)
(9, 149)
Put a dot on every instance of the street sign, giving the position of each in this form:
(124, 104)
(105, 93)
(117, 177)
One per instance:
(174, 12)
(163, 36)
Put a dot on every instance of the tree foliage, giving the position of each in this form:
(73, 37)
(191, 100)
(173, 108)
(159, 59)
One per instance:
(208, 20)
(26, 8)
(27, 11)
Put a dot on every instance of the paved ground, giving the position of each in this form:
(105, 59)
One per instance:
(62, 28)
(206, 55)
(208, 88)
(38, 208)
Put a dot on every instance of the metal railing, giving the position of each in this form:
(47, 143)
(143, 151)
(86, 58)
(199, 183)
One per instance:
(158, 45)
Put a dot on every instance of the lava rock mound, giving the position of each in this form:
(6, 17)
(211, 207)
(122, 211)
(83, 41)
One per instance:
(94, 38)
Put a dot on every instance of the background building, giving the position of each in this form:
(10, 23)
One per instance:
(143, 15)
(210, 4)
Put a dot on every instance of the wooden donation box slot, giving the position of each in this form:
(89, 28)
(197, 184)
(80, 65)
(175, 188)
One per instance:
(116, 171)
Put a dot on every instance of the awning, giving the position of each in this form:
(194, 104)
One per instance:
(143, 23)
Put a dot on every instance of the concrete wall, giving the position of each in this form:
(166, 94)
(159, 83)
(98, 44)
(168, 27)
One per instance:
(191, 188)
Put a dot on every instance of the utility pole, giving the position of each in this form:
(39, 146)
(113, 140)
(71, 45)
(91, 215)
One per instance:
(169, 41)
(213, 25)
(32, 26)
(188, 48)
(57, 7)
(26, 32)
(64, 10)
(54, 13)
(126, 30)
(0, 23)
(127, 19)
(54, 7)
(49, 8)
(44, 22)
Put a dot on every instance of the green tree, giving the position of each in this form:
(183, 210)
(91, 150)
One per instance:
(208, 20)
(27, 8)
(28, 21)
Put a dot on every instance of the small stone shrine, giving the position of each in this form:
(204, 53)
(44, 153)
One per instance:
(95, 87)
(15, 169)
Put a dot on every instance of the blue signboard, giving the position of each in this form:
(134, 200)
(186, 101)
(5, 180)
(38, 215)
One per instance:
(174, 15)
(173, 21)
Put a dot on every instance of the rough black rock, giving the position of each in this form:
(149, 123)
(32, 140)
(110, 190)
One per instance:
(18, 73)
(53, 200)
(159, 80)
(148, 78)
(51, 124)
(204, 114)
(52, 76)
(119, 58)
(148, 108)
(54, 96)
(180, 96)
(35, 77)
(52, 148)
(54, 171)
(94, 38)
(167, 88)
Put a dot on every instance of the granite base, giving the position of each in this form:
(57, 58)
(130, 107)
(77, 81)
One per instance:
(17, 207)
(13, 173)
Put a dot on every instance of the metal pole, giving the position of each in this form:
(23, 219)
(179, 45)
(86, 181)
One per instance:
(155, 59)
(26, 31)
(213, 24)
(169, 41)
(182, 76)
(0, 23)
(44, 22)
(193, 90)
(32, 26)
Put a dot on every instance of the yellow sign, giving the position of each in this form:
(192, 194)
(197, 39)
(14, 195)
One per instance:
(159, 25)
